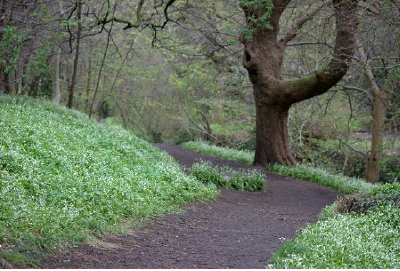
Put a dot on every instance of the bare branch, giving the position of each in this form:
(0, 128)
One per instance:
(291, 34)
(129, 24)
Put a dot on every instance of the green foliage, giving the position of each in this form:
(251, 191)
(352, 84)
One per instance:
(246, 180)
(385, 189)
(341, 183)
(63, 177)
(346, 241)
(255, 20)
(328, 212)
(220, 152)
(10, 46)
(206, 173)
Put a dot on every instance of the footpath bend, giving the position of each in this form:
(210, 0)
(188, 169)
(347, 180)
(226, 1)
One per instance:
(238, 230)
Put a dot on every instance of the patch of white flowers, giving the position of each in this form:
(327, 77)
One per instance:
(62, 175)
(347, 241)
(220, 152)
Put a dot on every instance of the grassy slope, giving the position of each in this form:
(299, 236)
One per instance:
(338, 240)
(63, 176)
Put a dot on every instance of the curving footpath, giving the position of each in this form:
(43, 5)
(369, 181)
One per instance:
(238, 230)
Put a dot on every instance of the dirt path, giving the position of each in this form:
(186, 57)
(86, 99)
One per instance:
(238, 230)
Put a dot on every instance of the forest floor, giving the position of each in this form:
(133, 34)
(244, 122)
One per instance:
(238, 230)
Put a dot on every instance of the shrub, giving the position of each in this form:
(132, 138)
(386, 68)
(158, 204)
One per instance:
(247, 180)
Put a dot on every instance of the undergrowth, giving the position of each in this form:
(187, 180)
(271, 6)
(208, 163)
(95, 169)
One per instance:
(246, 157)
(63, 177)
(246, 180)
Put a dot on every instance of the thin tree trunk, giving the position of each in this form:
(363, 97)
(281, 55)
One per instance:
(89, 79)
(378, 121)
(102, 65)
(76, 60)
(57, 64)
(99, 76)
(56, 78)
(9, 86)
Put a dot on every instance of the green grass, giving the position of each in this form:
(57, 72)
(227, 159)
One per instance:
(246, 180)
(246, 157)
(340, 183)
(64, 177)
(346, 241)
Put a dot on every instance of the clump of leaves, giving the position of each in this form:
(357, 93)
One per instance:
(246, 180)
(258, 15)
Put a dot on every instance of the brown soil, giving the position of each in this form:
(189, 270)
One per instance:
(238, 230)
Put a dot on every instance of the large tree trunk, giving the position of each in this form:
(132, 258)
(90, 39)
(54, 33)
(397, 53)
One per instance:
(272, 137)
(263, 57)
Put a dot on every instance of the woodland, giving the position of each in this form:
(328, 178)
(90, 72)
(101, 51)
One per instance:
(304, 88)
(172, 71)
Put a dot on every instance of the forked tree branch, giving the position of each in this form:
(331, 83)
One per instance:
(292, 32)
(318, 83)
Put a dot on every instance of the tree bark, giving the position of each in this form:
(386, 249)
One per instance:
(271, 124)
(7, 83)
(378, 122)
(76, 60)
(379, 99)
(263, 58)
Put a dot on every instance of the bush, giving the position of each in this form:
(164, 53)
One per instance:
(247, 180)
